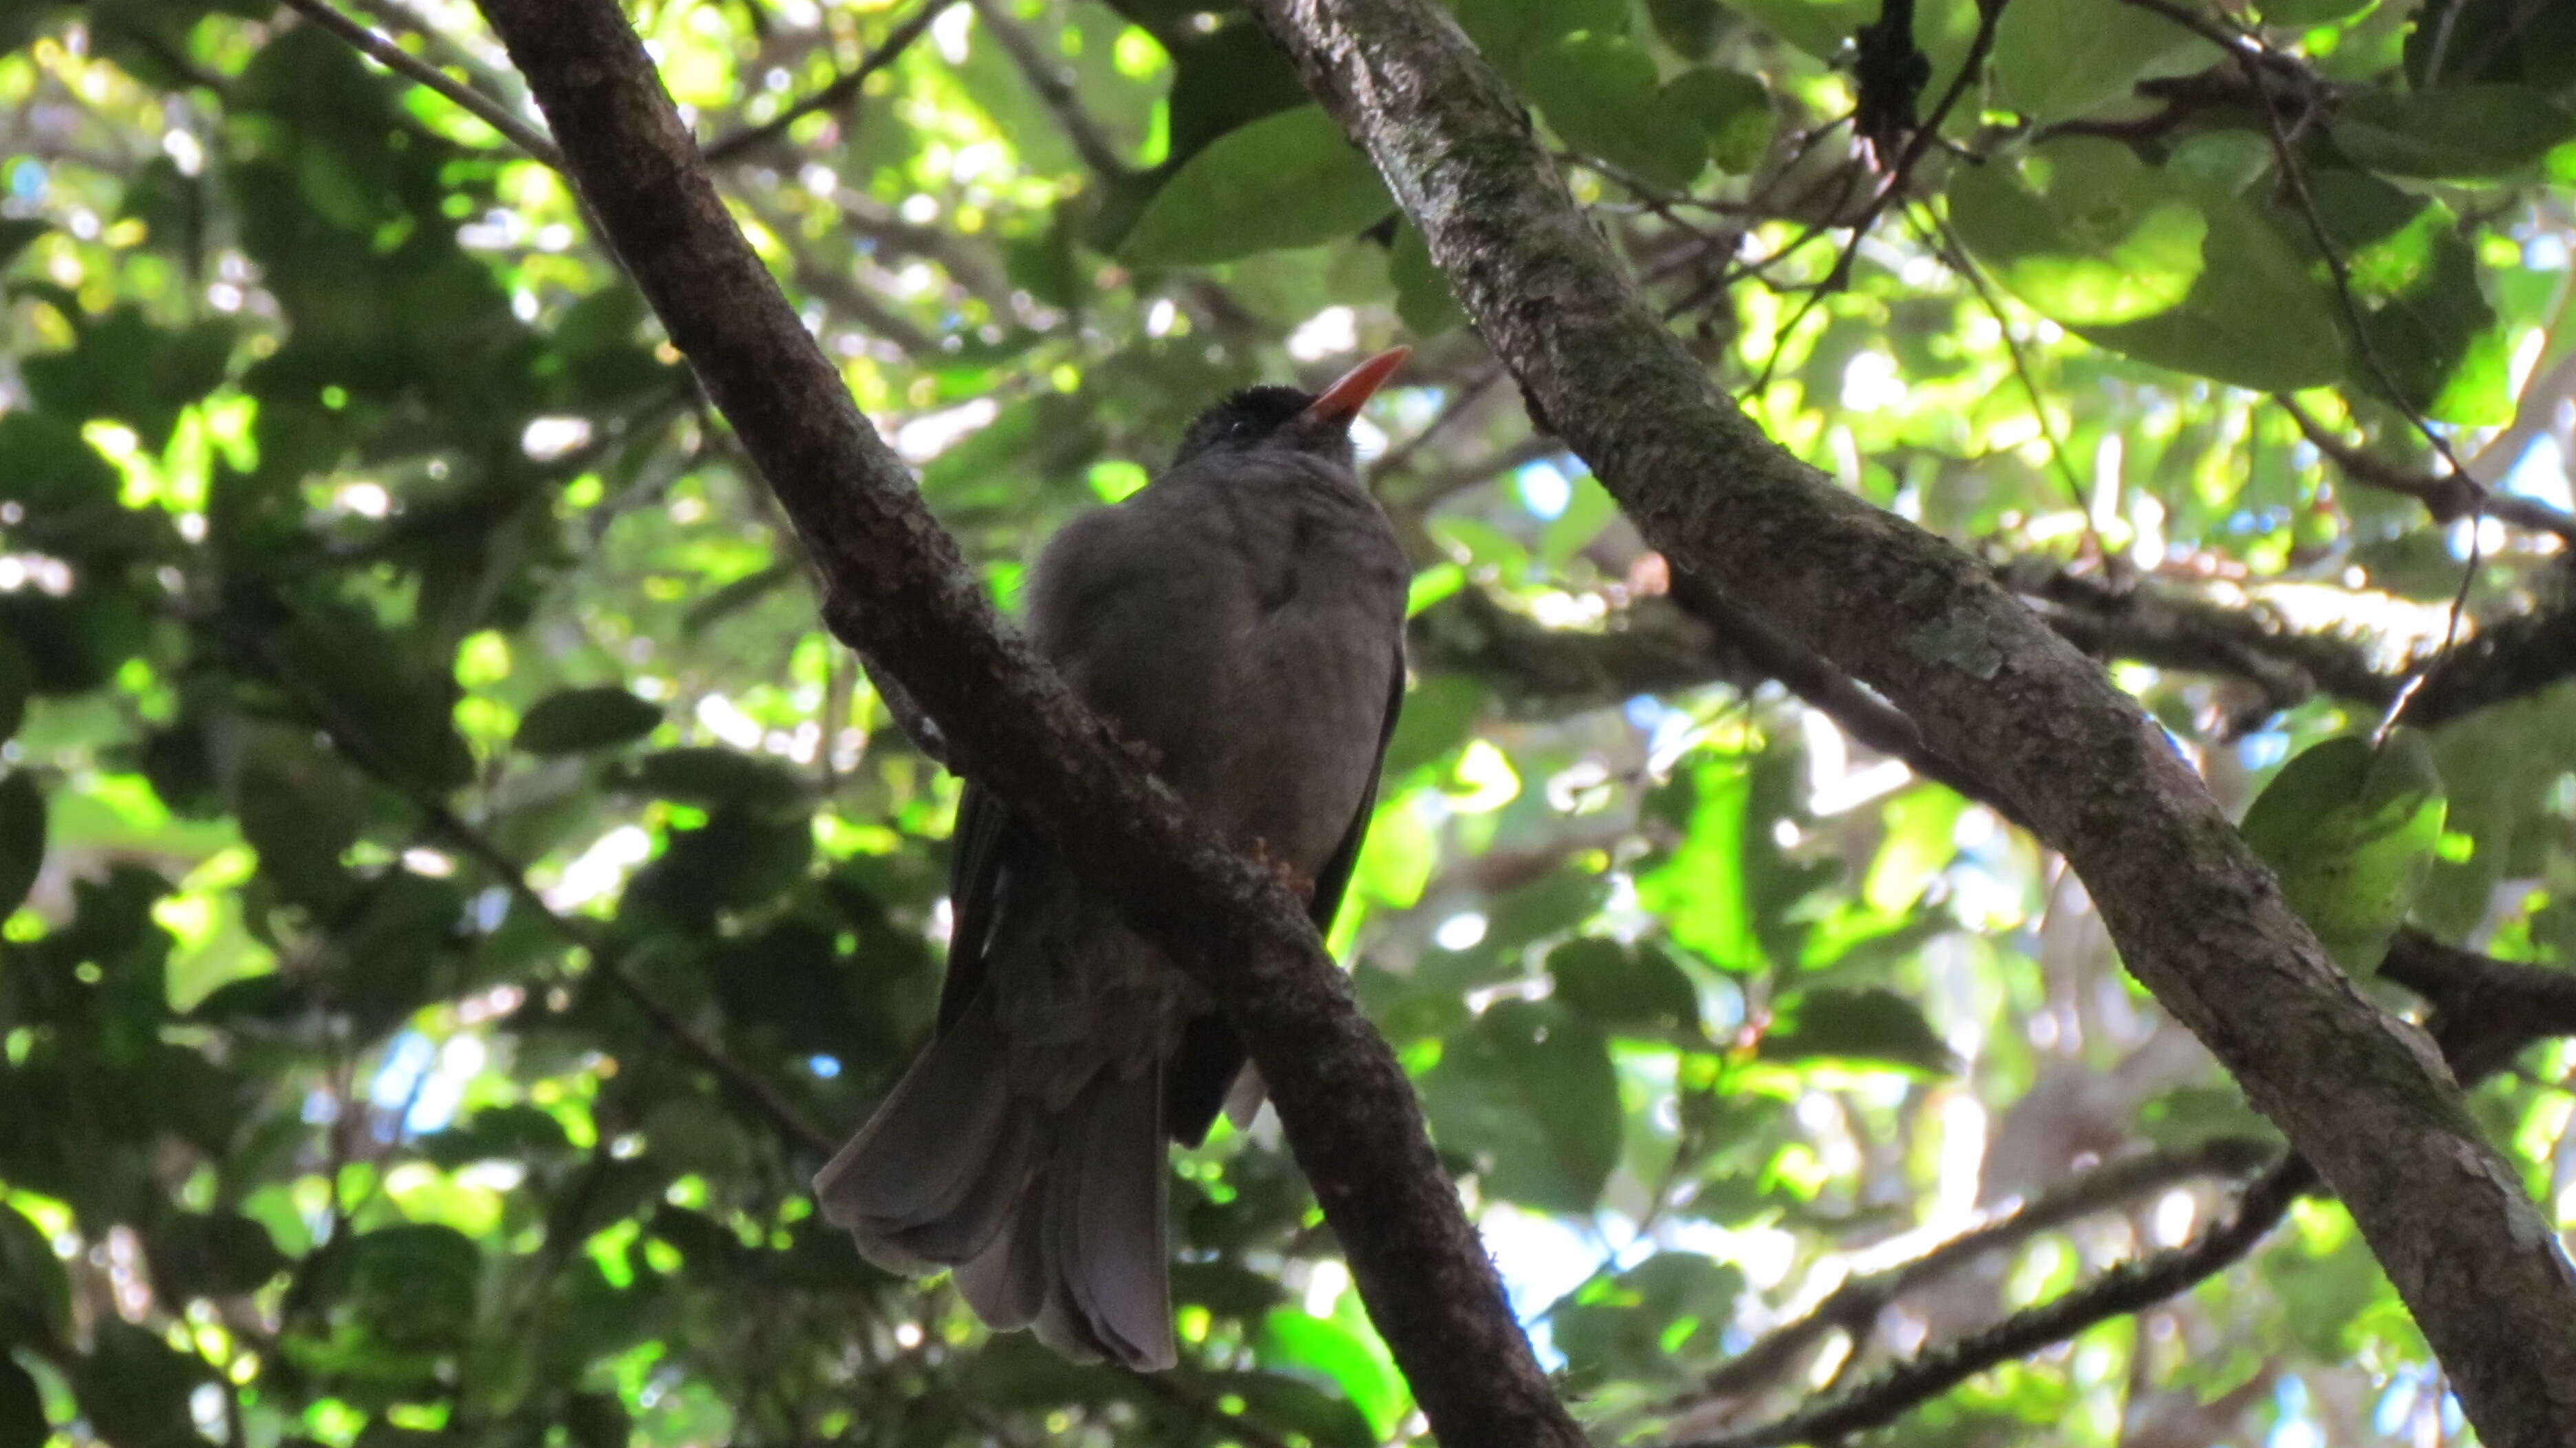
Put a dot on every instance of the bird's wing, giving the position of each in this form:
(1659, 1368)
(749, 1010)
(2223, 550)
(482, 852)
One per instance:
(985, 838)
(1335, 876)
(1202, 1071)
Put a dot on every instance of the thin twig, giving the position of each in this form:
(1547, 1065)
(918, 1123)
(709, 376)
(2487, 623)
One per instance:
(384, 52)
(1856, 1304)
(2131, 1287)
(842, 89)
(2448, 497)
(1948, 247)
(2485, 1011)
(1053, 91)
(361, 750)
(2250, 57)
(1989, 14)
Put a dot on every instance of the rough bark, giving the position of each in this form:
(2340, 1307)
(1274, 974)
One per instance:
(896, 589)
(2197, 918)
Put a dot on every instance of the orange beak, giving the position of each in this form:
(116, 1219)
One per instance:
(1342, 401)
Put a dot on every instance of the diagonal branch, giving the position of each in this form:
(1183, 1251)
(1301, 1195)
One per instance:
(2197, 917)
(843, 89)
(411, 67)
(1856, 1304)
(2486, 1011)
(1053, 90)
(361, 749)
(897, 589)
(2449, 497)
(2130, 1287)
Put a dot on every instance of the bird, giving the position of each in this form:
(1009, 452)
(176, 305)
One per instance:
(1241, 617)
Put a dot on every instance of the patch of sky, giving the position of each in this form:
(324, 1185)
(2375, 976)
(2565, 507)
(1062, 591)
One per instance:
(1545, 490)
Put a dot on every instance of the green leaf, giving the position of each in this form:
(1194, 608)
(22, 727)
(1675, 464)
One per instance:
(2425, 313)
(2058, 59)
(17, 679)
(35, 1291)
(75, 643)
(2189, 1115)
(714, 777)
(2084, 254)
(1527, 1095)
(1855, 1025)
(1422, 294)
(597, 1420)
(2310, 12)
(1225, 79)
(1357, 1367)
(1284, 181)
(22, 1408)
(1647, 1322)
(125, 368)
(2350, 830)
(1589, 508)
(396, 692)
(48, 469)
(1733, 110)
(134, 1389)
(1630, 989)
(739, 859)
(2468, 42)
(1818, 27)
(1290, 1404)
(1439, 716)
(2165, 267)
(298, 805)
(1511, 33)
(1601, 93)
(2460, 133)
(220, 1254)
(17, 234)
(22, 839)
(1691, 27)
(575, 720)
(2322, 1293)
(412, 1286)
(1701, 892)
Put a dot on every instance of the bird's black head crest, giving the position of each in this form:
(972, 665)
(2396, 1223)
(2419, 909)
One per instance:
(1243, 420)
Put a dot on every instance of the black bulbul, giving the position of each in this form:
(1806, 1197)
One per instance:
(1242, 617)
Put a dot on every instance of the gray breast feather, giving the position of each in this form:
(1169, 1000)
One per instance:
(1242, 617)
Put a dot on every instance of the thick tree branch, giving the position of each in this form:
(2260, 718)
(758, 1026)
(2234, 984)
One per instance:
(2488, 1009)
(897, 589)
(2197, 917)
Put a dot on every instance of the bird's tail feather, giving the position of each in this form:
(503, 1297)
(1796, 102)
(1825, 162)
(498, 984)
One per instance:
(932, 1178)
(1108, 1265)
(1052, 1220)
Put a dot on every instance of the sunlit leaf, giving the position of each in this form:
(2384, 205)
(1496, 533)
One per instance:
(2455, 133)
(1284, 181)
(2056, 59)
(1856, 1025)
(2350, 829)
(1525, 1094)
(581, 719)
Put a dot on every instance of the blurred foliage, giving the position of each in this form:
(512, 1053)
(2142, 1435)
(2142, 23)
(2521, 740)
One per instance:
(456, 884)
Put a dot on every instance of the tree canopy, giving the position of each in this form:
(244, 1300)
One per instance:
(461, 891)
